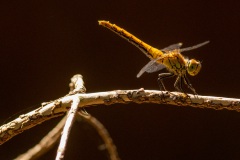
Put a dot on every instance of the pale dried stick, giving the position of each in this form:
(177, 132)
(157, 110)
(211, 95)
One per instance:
(67, 128)
(76, 86)
(62, 105)
(45, 144)
(102, 131)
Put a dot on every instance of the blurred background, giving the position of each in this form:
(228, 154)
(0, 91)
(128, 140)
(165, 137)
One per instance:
(44, 43)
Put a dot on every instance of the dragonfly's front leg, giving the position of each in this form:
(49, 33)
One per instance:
(187, 82)
(160, 79)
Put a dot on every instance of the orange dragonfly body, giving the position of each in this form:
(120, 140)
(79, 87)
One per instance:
(169, 58)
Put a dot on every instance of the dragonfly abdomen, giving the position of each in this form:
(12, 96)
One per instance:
(148, 50)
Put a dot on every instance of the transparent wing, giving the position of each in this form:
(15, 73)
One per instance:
(172, 47)
(194, 47)
(151, 67)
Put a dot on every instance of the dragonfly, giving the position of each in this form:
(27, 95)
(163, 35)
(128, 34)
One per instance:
(169, 58)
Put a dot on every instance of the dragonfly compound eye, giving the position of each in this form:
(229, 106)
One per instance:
(193, 67)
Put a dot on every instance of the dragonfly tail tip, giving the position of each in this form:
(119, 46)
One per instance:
(101, 22)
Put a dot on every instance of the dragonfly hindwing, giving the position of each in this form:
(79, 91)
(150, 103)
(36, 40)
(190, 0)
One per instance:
(151, 67)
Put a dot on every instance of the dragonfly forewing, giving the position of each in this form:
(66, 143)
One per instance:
(194, 47)
(172, 47)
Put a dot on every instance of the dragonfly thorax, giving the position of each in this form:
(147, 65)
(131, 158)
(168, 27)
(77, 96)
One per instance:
(193, 67)
(174, 62)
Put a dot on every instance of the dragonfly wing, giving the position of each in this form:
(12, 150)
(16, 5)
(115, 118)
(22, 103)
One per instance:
(194, 47)
(172, 47)
(155, 67)
(151, 67)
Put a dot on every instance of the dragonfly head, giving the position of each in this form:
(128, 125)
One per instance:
(193, 67)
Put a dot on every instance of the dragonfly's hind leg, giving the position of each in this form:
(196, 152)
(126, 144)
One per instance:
(160, 79)
(178, 84)
(187, 82)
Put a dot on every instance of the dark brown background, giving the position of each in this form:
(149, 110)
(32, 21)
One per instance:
(44, 43)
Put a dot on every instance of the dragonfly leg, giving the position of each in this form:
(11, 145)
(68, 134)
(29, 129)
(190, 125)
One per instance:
(178, 84)
(181, 83)
(160, 79)
(187, 82)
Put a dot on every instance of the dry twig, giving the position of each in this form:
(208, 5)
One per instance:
(76, 86)
(67, 128)
(109, 145)
(62, 105)
(45, 144)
